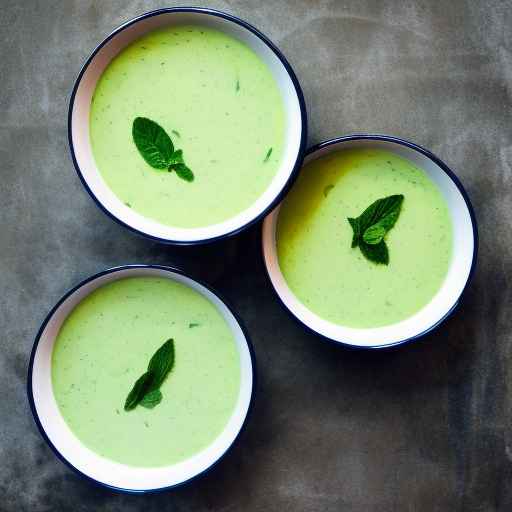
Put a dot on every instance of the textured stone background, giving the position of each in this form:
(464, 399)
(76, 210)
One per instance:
(423, 428)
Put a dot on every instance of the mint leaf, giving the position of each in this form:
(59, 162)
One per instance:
(138, 391)
(151, 399)
(373, 224)
(378, 253)
(355, 226)
(146, 390)
(153, 143)
(176, 157)
(374, 234)
(380, 209)
(182, 171)
(161, 363)
(157, 149)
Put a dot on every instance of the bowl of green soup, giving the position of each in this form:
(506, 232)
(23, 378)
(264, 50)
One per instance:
(375, 243)
(141, 378)
(186, 125)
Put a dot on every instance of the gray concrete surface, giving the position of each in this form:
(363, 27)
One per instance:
(424, 428)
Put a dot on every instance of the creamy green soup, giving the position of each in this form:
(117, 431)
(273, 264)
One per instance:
(105, 345)
(314, 237)
(219, 103)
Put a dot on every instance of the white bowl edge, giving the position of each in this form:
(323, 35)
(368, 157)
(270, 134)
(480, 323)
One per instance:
(452, 287)
(79, 125)
(103, 470)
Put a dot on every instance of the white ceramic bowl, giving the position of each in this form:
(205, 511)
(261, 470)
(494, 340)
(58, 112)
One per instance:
(459, 272)
(91, 465)
(78, 123)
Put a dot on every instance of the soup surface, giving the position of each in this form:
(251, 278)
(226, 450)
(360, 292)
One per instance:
(336, 281)
(219, 103)
(105, 345)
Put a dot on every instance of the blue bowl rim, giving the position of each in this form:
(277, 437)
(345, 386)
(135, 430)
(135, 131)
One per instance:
(36, 344)
(465, 196)
(302, 106)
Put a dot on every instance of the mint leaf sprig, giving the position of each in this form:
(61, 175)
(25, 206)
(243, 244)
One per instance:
(146, 390)
(373, 224)
(157, 149)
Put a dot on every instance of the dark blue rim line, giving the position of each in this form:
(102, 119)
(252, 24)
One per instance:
(458, 184)
(36, 344)
(210, 12)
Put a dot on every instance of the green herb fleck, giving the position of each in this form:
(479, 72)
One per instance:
(267, 156)
(373, 224)
(193, 324)
(128, 204)
(176, 132)
(146, 390)
(237, 86)
(327, 189)
(157, 149)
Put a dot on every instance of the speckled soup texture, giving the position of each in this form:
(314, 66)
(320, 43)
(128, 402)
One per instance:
(314, 239)
(219, 103)
(105, 345)
(424, 428)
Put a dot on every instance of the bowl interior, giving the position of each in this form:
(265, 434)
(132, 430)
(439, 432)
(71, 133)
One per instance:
(442, 303)
(79, 123)
(105, 471)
